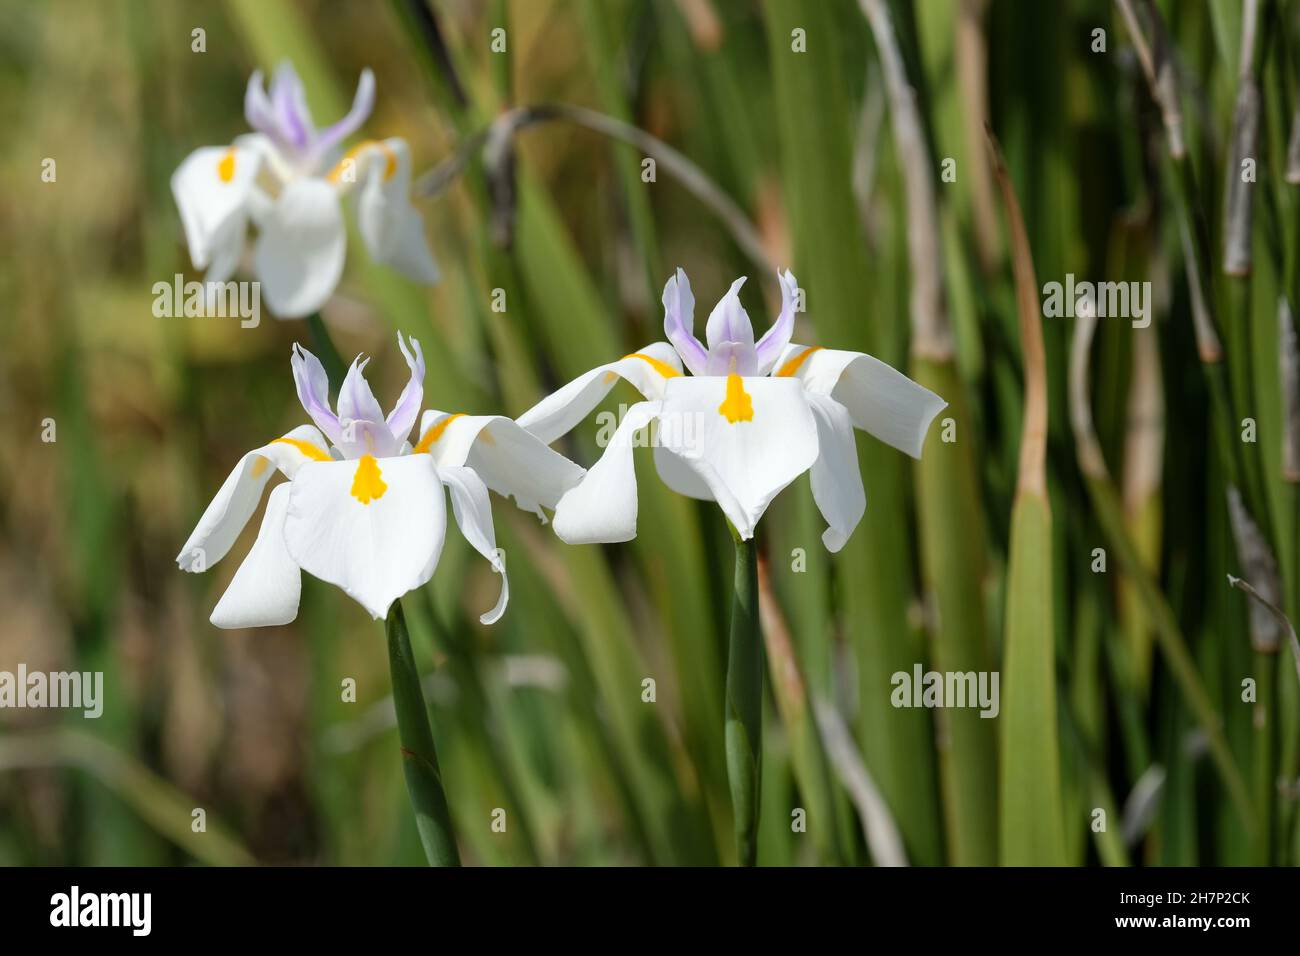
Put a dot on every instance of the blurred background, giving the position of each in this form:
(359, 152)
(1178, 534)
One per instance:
(1145, 717)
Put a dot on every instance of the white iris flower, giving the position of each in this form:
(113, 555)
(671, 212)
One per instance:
(751, 418)
(287, 178)
(363, 508)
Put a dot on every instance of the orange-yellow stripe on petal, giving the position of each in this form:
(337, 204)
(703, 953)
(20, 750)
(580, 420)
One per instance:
(368, 482)
(663, 368)
(226, 165)
(351, 157)
(434, 433)
(737, 406)
(306, 447)
(792, 366)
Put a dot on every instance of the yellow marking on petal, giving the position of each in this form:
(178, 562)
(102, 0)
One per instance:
(260, 465)
(226, 166)
(738, 406)
(792, 366)
(434, 433)
(485, 436)
(663, 368)
(368, 482)
(306, 447)
(351, 157)
(611, 377)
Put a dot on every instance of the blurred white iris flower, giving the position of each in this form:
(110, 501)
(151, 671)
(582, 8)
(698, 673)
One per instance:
(288, 179)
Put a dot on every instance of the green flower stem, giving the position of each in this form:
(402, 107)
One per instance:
(419, 758)
(744, 718)
(323, 347)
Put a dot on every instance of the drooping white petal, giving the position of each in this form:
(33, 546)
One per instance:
(880, 399)
(512, 461)
(391, 227)
(226, 251)
(775, 339)
(211, 187)
(836, 478)
(679, 476)
(373, 527)
(265, 590)
(239, 495)
(746, 438)
(473, 510)
(648, 370)
(679, 322)
(730, 335)
(602, 507)
(300, 252)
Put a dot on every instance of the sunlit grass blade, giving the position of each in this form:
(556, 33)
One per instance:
(1031, 831)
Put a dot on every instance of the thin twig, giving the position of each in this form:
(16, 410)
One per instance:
(1288, 357)
(510, 123)
(1258, 563)
(931, 331)
(970, 55)
(882, 834)
(1283, 620)
(1238, 205)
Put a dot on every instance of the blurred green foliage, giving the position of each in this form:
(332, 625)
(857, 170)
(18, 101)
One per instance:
(542, 715)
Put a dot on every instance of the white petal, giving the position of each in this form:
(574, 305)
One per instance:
(407, 409)
(730, 335)
(267, 586)
(473, 510)
(238, 497)
(679, 322)
(603, 506)
(211, 187)
(390, 226)
(357, 403)
(312, 384)
(679, 476)
(375, 538)
(513, 462)
(746, 438)
(836, 478)
(648, 370)
(880, 399)
(775, 339)
(300, 252)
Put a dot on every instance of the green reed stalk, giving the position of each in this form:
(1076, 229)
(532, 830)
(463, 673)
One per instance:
(419, 757)
(744, 715)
